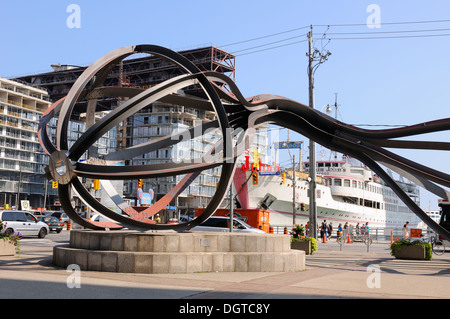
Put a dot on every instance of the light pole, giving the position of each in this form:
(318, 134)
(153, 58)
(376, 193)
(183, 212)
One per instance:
(294, 210)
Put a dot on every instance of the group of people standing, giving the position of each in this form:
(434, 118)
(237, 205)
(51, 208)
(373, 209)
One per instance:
(326, 229)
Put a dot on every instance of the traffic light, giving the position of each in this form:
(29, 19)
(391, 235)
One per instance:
(255, 176)
(256, 159)
(139, 183)
(96, 184)
(283, 178)
(302, 207)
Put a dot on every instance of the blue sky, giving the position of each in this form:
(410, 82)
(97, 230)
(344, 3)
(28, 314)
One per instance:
(396, 81)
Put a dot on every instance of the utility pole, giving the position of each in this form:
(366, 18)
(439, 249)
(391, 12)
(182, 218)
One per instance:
(293, 193)
(313, 55)
(312, 146)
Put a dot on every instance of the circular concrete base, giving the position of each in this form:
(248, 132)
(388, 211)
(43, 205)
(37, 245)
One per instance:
(170, 252)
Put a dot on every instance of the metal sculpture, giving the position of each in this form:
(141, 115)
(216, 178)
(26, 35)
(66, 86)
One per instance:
(236, 118)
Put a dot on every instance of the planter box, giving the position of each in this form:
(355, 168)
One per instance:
(410, 252)
(7, 248)
(302, 245)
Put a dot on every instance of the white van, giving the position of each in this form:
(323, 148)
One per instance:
(23, 223)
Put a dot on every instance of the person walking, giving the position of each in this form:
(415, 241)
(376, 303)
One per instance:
(345, 232)
(350, 231)
(366, 231)
(330, 230)
(339, 231)
(405, 231)
(323, 230)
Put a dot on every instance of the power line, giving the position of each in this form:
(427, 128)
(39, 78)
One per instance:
(262, 45)
(379, 32)
(325, 35)
(392, 37)
(385, 23)
(275, 47)
(265, 36)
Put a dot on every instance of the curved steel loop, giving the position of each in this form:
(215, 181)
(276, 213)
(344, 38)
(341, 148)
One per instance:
(241, 114)
(362, 144)
(141, 99)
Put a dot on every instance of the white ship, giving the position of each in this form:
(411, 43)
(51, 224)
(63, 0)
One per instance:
(347, 191)
(435, 215)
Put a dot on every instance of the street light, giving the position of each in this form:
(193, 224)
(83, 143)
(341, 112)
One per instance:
(293, 186)
(328, 110)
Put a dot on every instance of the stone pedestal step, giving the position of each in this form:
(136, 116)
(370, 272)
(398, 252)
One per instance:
(182, 242)
(170, 252)
(179, 262)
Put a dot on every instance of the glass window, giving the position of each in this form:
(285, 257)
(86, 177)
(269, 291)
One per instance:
(30, 218)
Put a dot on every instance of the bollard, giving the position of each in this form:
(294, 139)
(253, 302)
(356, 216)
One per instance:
(340, 242)
(285, 230)
(392, 237)
(68, 225)
(368, 242)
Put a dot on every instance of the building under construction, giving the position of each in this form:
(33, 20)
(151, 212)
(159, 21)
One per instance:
(153, 121)
(139, 72)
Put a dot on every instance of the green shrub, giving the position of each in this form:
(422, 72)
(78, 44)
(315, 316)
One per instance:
(298, 231)
(311, 239)
(398, 245)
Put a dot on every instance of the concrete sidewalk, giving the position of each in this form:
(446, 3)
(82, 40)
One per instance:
(330, 273)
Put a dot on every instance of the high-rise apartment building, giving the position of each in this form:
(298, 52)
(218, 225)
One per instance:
(21, 158)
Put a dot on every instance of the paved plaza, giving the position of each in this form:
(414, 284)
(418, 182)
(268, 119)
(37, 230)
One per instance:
(331, 272)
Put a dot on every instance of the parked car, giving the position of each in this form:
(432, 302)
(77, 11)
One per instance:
(221, 224)
(37, 214)
(63, 218)
(23, 223)
(52, 222)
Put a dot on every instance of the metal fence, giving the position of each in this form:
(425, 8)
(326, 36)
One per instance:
(379, 234)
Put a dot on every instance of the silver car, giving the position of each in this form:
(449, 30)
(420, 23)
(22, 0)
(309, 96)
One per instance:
(23, 223)
(221, 224)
